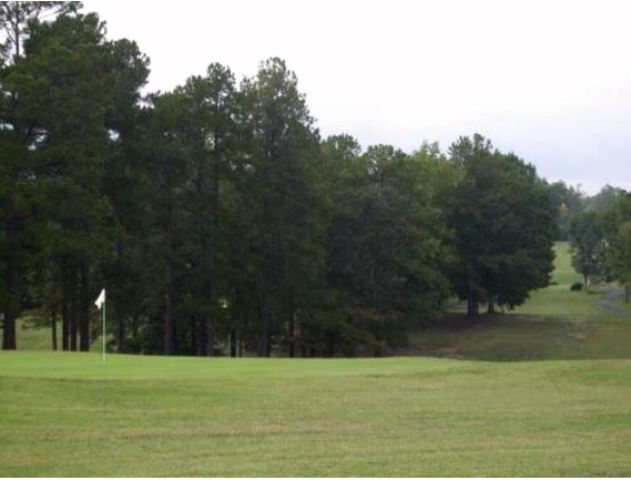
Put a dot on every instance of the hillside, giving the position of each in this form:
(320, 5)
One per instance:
(555, 323)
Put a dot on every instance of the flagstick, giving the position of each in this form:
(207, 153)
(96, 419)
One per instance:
(104, 331)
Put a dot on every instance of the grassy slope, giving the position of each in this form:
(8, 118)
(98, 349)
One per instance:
(555, 323)
(68, 414)
(623, 304)
(29, 337)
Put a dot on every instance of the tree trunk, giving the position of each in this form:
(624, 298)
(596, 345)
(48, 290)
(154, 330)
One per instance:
(202, 333)
(331, 346)
(53, 327)
(168, 319)
(120, 335)
(84, 314)
(264, 346)
(16, 37)
(213, 249)
(168, 274)
(10, 280)
(8, 328)
(473, 303)
(210, 337)
(8, 331)
(491, 308)
(74, 321)
(233, 343)
(242, 329)
(292, 330)
(121, 346)
(65, 323)
(472, 306)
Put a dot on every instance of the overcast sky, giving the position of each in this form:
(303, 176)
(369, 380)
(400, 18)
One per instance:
(549, 80)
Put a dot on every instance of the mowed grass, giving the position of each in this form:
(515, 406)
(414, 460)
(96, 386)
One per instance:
(559, 414)
(71, 415)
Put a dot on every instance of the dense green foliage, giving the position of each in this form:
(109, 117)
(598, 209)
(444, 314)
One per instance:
(589, 248)
(568, 201)
(504, 227)
(617, 231)
(601, 240)
(218, 219)
(571, 202)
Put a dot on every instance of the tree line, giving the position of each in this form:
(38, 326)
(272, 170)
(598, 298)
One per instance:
(599, 232)
(221, 222)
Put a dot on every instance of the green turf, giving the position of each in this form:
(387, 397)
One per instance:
(624, 304)
(564, 274)
(71, 415)
(566, 412)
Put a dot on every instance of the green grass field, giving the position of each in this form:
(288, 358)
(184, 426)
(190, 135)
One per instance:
(545, 391)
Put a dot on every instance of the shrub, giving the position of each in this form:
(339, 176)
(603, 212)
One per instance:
(576, 287)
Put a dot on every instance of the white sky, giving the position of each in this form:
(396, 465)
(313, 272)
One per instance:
(549, 80)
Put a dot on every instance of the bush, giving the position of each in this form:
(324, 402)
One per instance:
(576, 287)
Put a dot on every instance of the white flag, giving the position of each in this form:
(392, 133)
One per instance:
(101, 300)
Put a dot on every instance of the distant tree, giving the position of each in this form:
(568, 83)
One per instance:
(589, 247)
(617, 227)
(568, 201)
(622, 257)
(504, 226)
(603, 200)
(587, 232)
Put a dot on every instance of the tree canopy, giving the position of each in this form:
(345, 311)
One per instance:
(504, 226)
(219, 220)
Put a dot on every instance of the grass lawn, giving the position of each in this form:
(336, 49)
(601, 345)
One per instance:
(29, 337)
(555, 401)
(624, 304)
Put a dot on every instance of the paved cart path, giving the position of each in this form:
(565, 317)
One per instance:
(608, 302)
